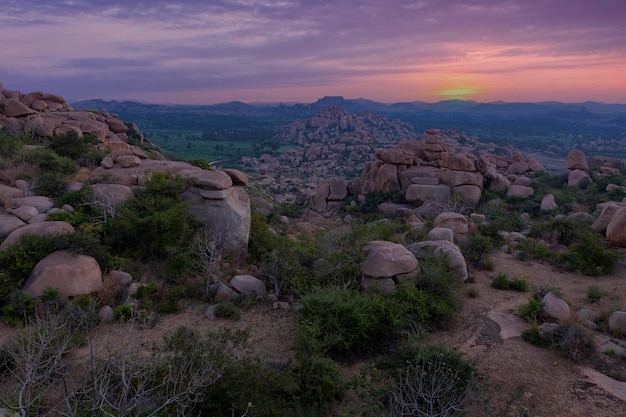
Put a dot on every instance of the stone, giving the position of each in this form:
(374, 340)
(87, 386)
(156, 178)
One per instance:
(616, 229)
(519, 191)
(455, 222)
(222, 292)
(555, 308)
(387, 259)
(9, 223)
(111, 195)
(281, 305)
(576, 160)
(231, 214)
(317, 201)
(71, 274)
(499, 183)
(443, 249)
(470, 194)
(24, 213)
(40, 229)
(518, 168)
(603, 220)
(211, 311)
(210, 180)
(617, 323)
(441, 233)
(106, 314)
(548, 203)
(238, 177)
(248, 285)
(128, 161)
(456, 178)
(396, 156)
(338, 189)
(459, 163)
(387, 179)
(578, 178)
(584, 314)
(7, 194)
(42, 204)
(120, 278)
(15, 108)
(418, 194)
(116, 126)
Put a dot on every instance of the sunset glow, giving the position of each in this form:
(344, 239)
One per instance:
(297, 50)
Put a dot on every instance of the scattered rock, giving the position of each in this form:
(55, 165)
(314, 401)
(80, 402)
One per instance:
(555, 308)
(387, 259)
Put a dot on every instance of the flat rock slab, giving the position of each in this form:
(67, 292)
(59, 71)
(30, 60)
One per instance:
(510, 325)
(610, 385)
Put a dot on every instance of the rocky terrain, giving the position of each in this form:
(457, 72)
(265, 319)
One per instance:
(439, 179)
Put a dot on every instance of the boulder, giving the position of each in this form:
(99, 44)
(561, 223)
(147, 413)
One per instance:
(338, 189)
(555, 308)
(578, 178)
(458, 163)
(418, 193)
(603, 220)
(387, 259)
(616, 229)
(24, 213)
(15, 108)
(9, 223)
(43, 228)
(42, 204)
(456, 178)
(396, 156)
(584, 314)
(617, 323)
(442, 249)
(548, 203)
(470, 194)
(111, 195)
(106, 314)
(317, 201)
(499, 183)
(387, 179)
(441, 233)
(128, 161)
(71, 274)
(238, 177)
(248, 285)
(519, 191)
(455, 222)
(576, 160)
(210, 180)
(371, 285)
(232, 214)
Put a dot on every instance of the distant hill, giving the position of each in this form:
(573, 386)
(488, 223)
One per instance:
(550, 127)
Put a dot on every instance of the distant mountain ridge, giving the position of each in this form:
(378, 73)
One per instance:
(360, 105)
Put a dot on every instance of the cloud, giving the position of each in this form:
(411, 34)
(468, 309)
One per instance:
(138, 47)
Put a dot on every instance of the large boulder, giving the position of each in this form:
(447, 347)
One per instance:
(617, 323)
(517, 190)
(248, 285)
(387, 179)
(338, 189)
(387, 259)
(548, 203)
(111, 195)
(443, 249)
(455, 222)
(420, 193)
(603, 220)
(470, 194)
(229, 211)
(71, 274)
(578, 178)
(616, 229)
(576, 160)
(15, 108)
(9, 223)
(42, 228)
(554, 307)
(42, 204)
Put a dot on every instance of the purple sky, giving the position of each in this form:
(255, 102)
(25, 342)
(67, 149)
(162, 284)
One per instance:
(196, 51)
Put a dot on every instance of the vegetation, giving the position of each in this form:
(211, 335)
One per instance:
(502, 282)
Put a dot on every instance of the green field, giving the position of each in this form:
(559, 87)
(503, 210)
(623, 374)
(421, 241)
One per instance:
(186, 145)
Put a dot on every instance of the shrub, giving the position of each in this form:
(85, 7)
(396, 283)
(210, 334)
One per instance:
(502, 282)
(589, 255)
(429, 381)
(19, 308)
(228, 310)
(530, 312)
(123, 312)
(477, 249)
(595, 293)
(571, 341)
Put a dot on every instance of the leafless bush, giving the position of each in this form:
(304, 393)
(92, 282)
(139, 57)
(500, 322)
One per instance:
(209, 251)
(430, 389)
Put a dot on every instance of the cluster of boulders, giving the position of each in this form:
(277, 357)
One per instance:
(217, 196)
(45, 115)
(432, 169)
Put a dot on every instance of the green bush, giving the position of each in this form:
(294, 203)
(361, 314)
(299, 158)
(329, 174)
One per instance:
(590, 256)
(595, 293)
(228, 310)
(573, 342)
(19, 308)
(477, 250)
(502, 282)
(72, 146)
(530, 312)
(123, 312)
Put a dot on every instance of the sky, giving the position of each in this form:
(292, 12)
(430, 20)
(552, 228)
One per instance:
(211, 51)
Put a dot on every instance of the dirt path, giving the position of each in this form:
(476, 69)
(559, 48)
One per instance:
(524, 380)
